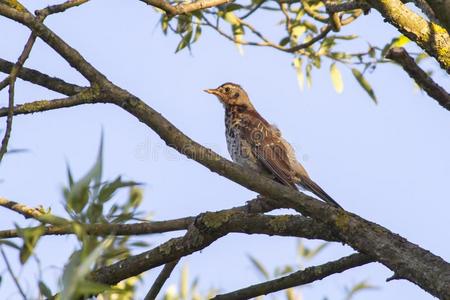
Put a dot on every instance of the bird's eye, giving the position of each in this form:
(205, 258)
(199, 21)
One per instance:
(236, 95)
(227, 89)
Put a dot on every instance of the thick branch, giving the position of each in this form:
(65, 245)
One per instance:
(184, 8)
(308, 275)
(431, 37)
(36, 77)
(433, 89)
(441, 9)
(287, 225)
(207, 228)
(333, 7)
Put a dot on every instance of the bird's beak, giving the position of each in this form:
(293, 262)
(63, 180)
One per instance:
(212, 91)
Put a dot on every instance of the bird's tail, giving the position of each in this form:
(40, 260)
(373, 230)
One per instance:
(310, 185)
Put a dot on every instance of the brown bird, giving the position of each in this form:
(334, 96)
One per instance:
(254, 143)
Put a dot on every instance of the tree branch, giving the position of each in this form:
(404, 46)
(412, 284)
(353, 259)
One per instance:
(106, 229)
(333, 7)
(184, 8)
(11, 273)
(281, 225)
(207, 228)
(29, 212)
(431, 37)
(36, 77)
(161, 279)
(433, 89)
(441, 10)
(308, 275)
(59, 8)
(54, 41)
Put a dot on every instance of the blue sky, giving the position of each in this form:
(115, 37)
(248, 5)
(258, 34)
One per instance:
(387, 162)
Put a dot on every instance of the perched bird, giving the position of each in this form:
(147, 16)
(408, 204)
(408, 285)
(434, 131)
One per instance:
(254, 143)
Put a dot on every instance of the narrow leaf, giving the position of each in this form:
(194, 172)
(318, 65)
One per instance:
(364, 84)
(336, 78)
(185, 41)
(298, 69)
(45, 290)
(259, 266)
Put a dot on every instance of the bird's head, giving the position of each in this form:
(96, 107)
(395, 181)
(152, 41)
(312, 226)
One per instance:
(231, 94)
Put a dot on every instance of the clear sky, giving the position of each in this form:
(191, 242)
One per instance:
(388, 163)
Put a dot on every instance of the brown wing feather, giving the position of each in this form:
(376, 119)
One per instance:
(275, 159)
(269, 150)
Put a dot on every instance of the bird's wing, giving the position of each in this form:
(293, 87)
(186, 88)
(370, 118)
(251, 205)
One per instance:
(269, 150)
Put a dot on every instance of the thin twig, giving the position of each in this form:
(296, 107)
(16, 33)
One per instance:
(161, 279)
(106, 229)
(11, 273)
(308, 275)
(247, 223)
(52, 83)
(11, 81)
(29, 212)
(87, 96)
(184, 8)
(434, 90)
(255, 8)
(59, 8)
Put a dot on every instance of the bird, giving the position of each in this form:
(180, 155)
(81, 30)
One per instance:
(254, 143)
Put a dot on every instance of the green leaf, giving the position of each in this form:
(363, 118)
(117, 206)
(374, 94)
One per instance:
(346, 37)
(399, 41)
(316, 61)
(185, 41)
(77, 269)
(198, 33)
(164, 23)
(69, 177)
(140, 244)
(78, 195)
(259, 266)
(184, 282)
(94, 212)
(336, 78)
(361, 286)
(284, 41)
(298, 69)
(87, 287)
(364, 84)
(231, 18)
(30, 238)
(297, 32)
(421, 57)
(45, 290)
(232, 7)
(310, 26)
(9, 244)
(308, 70)
(238, 33)
(135, 197)
(107, 191)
